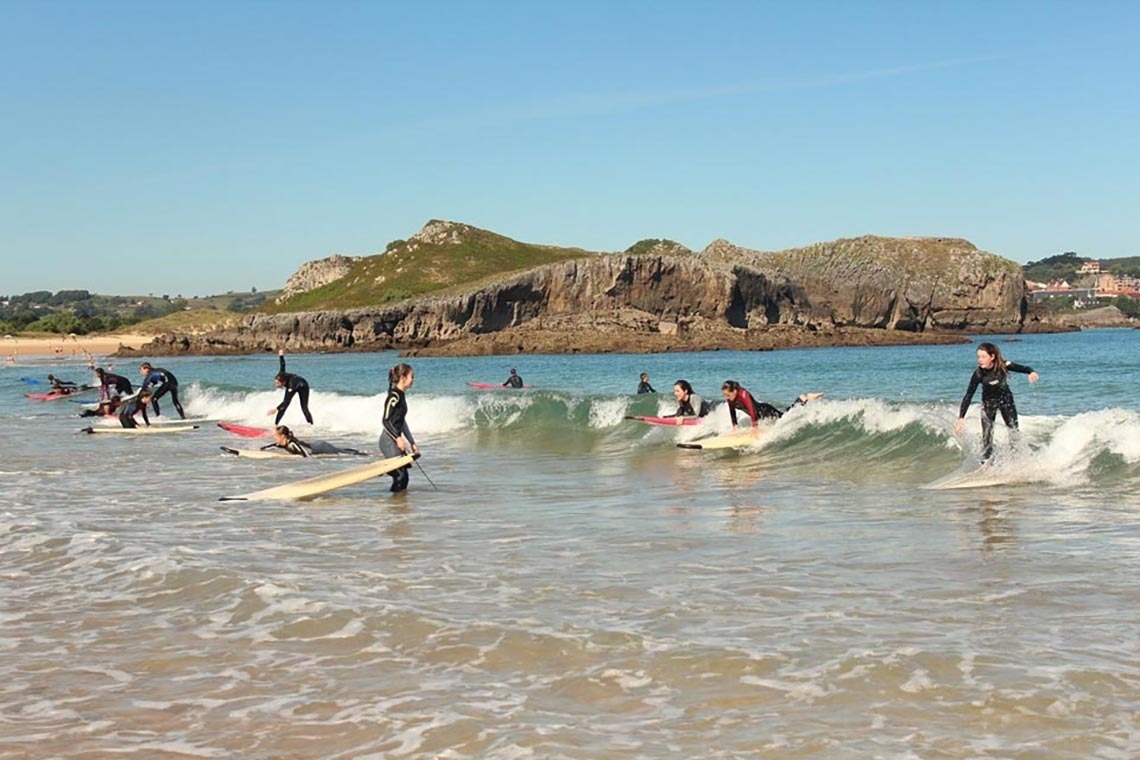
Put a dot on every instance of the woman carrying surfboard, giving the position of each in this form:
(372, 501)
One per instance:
(396, 437)
(991, 374)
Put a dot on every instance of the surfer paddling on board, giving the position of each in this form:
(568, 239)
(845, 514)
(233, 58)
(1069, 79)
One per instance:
(164, 382)
(513, 380)
(689, 404)
(396, 438)
(62, 386)
(738, 397)
(992, 372)
(294, 385)
(132, 407)
(644, 386)
(284, 439)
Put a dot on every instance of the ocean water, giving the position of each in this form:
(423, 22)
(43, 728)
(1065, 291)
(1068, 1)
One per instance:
(573, 585)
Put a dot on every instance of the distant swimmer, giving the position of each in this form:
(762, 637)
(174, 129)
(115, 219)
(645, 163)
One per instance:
(644, 386)
(738, 397)
(992, 372)
(294, 385)
(136, 405)
(160, 381)
(689, 404)
(283, 438)
(111, 384)
(513, 380)
(396, 437)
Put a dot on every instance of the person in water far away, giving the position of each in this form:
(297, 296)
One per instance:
(738, 397)
(396, 437)
(293, 385)
(644, 386)
(689, 404)
(513, 381)
(991, 374)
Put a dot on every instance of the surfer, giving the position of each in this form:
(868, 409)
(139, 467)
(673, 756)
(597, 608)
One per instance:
(644, 386)
(164, 382)
(111, 384)
(134, 406)
(992, 372)
(283, 438)
(396, 438)
(293, 385)
(105, 408)
(738, 397)
(62, 386)
(513, 380)
(689, 404)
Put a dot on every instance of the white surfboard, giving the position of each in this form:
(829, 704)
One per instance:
(310, 487)
(982, 477)
(736, 440)
(141, 430)
(259, 454)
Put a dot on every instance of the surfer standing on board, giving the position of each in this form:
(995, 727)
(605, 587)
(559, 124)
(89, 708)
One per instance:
(293, 385)
(111, 385)
(738, 397)
(396, 438)
(992, 373)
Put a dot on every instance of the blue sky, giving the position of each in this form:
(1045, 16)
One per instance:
(197, 148)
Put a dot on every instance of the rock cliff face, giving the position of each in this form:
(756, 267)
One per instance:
(313, 274)
(726, 296)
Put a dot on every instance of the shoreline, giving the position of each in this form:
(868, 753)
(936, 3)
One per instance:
(65, 347)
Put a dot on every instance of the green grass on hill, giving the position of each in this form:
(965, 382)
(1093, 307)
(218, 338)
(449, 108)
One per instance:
(193, 321)
(410, 268)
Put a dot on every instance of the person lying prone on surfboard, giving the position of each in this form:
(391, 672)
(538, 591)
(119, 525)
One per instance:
(738, 397)
(283, 438)
(689, 404)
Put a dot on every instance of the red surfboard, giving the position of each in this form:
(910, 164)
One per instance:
(244, 430)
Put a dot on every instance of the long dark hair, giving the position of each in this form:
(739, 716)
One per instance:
(995, 353)
(398, 372)
(685, 386)
(730, 385)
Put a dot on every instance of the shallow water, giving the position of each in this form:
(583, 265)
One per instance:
(576, 586)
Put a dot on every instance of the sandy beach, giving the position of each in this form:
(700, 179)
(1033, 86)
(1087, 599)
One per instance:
(68, 347)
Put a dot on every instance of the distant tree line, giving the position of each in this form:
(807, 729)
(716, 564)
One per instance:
(1064, 266)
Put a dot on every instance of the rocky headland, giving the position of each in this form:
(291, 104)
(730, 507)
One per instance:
(453, 289)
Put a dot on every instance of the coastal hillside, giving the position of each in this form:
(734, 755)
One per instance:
(440, 256)
(455, 289)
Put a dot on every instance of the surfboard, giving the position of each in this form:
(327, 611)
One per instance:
(55, 395)
(492, 386)
(310, 487)
(244, 430)
(739, 439)
(259, 454)
(981, 477)
(138, 430)
(667, 421)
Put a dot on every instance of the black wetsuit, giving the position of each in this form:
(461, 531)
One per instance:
(293, 385)
(996, 397)
(119, 383)
(306, 448)
(695, 406)
(514, 381)
(128, 411)
(645, 387)
(395, 425)
(164, 382)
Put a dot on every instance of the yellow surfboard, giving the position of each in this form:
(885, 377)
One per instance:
(310, 487)
(736, 440)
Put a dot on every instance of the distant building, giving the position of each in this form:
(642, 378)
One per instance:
(1089, 267)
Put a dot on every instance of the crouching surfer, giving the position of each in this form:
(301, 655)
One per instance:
(284, 439)
(132, 407)
(738, 397)
(396, 438)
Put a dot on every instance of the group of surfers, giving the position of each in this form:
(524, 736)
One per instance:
(396, 439)
(991, 375)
